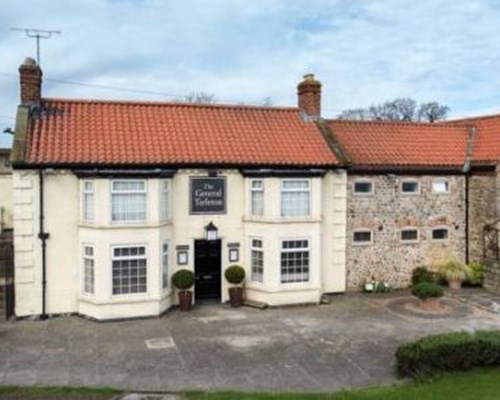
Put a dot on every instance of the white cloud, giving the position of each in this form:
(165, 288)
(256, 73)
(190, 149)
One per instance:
(245, 50)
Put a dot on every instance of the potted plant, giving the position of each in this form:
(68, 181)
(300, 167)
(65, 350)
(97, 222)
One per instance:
(422, 274)
(235, 275)
(183, 280)
(429, 294)
(455, 272)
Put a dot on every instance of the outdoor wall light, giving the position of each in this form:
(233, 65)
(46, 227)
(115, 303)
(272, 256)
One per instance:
(211, 231)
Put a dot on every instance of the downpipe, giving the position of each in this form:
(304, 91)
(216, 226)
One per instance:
(43, 236)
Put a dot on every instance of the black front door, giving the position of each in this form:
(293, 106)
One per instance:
(207, 269)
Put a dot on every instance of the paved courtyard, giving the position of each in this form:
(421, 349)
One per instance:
(347, 343)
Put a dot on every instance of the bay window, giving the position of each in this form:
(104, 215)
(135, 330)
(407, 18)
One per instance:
(129, 269)
(128, 200)
(295, 197)
(295, 259)
(257, 260)
(257, 196)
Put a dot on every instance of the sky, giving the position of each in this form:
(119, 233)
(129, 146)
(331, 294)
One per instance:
(246, 51)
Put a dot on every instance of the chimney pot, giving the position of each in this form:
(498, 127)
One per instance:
(30, 76)
(309, 96)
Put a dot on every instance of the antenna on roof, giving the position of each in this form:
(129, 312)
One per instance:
(37, 34)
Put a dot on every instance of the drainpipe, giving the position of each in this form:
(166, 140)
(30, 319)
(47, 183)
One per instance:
(43, 236)
(467, 217)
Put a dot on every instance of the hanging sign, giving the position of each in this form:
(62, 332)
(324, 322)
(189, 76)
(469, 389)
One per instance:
(208, 195)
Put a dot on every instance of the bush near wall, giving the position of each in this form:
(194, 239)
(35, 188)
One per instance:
(446, 352)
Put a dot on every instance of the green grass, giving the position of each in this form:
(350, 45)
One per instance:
(57, 392)
(471, 385)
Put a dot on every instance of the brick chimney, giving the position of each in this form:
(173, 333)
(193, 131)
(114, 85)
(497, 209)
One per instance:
(309, 94)
(31, 82)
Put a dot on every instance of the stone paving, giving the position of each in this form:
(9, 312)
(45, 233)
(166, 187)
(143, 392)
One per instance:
(349, 342)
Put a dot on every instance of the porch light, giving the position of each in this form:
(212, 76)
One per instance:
(211, 230)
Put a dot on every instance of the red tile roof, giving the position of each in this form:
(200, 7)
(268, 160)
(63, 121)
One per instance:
(375, 143)
(113, 132)
(487, 142)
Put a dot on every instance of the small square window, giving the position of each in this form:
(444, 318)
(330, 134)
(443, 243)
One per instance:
(362, 237)
(363, 187)
(440, 186)
(409, 235)
(440, 234)
(409, 187)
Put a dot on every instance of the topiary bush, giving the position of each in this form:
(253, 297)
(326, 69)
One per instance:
(421, 274)
(446, 352)
(235, 274)
(183, 279)
(427, 290)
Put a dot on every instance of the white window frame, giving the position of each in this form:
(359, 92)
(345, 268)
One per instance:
(254, 191)
(115, 193)
(165, 266)
(443, 181)
(409, 228)
(415, 193)
(113, 258)
(363, 243)
(261, 251)
(86, 258)
(165, 200)
(299, 190)
(369, 181)
(296, 250)
(437, 228)
(86, 193)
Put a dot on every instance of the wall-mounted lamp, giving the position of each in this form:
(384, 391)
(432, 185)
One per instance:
(211, 231)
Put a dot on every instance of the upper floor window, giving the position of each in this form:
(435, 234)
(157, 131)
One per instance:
(440, 186)
(128, 200)
(88, 201)
(440, 234)
(410, 187)
(295, 197)
(164, 199)
(362, 236)
(409, 235)
(257, 196)
(363, 187)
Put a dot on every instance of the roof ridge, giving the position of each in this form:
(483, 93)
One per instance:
(446, 124)
(169, 103)
(488, 116)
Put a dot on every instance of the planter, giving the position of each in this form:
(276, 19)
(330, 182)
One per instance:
(369, 287)
(432, 304)
(236, 296)
(185, 300)
(455, 285)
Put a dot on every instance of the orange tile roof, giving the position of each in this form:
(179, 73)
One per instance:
(134, 133)
(487, 142)
(377, 143)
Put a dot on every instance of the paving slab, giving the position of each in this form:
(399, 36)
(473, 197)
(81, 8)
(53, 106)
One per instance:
(349, 342)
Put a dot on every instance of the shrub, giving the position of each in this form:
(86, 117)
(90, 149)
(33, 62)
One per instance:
(476, 274)
(235, 274)
(183, 279)
(446, 352)
(421, 274)
(454, 270)
(427, 290)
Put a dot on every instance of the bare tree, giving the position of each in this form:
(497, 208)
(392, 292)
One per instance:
(200, 97)
(401, 109)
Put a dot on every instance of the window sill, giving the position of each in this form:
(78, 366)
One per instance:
(114, 225)
(281, 220)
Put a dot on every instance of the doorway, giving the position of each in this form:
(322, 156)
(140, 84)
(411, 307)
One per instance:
(207, 269)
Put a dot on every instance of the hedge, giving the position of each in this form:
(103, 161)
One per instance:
(446, 352)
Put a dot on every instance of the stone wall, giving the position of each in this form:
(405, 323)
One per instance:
(482, 210)
(492, 276)
(386, 212)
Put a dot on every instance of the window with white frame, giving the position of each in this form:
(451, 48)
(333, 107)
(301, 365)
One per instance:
(128, 200)
(88, 269)
(257, 196)
(257, 260)
(363, 187)
(440, 186)
(295, 260)
(362, 236)
(164, 265)
(88, 201)
(164, 199)
(410, 187)
(129, 269)
(295, 197)
(409, 235)
(440, 234)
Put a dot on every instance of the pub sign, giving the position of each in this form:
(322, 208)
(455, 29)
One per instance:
(208, 195)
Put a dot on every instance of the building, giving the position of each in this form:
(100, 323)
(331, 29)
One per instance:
(110, 198)
(5, 191)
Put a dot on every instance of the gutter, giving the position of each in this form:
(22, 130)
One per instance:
(43, 236)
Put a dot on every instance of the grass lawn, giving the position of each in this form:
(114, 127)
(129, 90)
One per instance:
(56, 392)
(471, 385)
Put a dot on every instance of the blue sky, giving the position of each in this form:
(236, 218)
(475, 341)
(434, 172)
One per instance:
(364, 52)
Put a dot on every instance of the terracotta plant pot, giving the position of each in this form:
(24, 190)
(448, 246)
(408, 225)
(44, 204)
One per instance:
(432, 304)
(185, 300)
(455, 285)
(236, 296)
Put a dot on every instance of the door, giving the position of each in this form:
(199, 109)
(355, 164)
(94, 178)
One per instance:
(207, 269)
